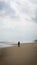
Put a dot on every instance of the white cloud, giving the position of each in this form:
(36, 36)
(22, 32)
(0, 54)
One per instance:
(19, 25)
(14, 31)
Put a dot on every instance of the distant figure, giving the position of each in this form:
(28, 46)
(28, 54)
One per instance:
(18, 43)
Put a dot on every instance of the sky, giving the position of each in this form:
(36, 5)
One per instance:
(18, 20)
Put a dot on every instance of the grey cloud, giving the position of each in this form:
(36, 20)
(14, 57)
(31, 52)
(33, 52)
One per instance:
(7, 9)
(31, 14)
(24, 9)
(33, 1)
(12, 13)
(2, 5)
(35, 18)
(16, 18)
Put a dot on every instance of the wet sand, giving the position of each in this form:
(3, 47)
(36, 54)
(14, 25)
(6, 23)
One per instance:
(26, 54)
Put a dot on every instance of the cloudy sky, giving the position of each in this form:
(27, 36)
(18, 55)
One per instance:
(18, 20)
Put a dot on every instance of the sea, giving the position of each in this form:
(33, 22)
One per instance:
(8, 44)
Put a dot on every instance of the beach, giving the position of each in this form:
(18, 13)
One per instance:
(26, 54)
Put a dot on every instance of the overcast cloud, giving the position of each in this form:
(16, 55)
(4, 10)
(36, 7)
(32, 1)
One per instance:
(18, 20)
